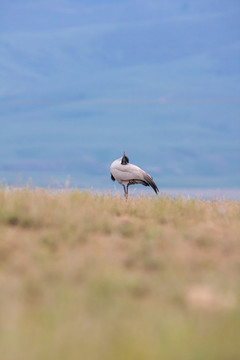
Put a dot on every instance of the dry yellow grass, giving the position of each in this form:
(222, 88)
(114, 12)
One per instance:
(86, 276)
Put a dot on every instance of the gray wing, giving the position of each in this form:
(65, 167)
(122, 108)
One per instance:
(134, 175)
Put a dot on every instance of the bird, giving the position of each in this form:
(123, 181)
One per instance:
(128, 174)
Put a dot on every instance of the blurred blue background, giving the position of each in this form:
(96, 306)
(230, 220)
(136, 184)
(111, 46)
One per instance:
(81, 81)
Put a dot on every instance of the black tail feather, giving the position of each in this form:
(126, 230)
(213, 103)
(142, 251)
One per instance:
(150, 182)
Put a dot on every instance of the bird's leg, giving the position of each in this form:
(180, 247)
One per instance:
(125, 192)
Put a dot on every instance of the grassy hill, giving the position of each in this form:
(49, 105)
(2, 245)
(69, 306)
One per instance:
(86, 276)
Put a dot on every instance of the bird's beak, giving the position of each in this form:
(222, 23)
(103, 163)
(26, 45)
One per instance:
(123, 153)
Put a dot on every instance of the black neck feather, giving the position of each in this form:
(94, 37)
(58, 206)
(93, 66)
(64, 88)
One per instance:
(125, 160)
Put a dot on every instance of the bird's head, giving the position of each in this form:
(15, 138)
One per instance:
(125, 159)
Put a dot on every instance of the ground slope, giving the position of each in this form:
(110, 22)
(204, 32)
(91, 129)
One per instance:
(86, 276)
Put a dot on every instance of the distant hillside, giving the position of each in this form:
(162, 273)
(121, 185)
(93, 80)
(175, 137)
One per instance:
(80, 83)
